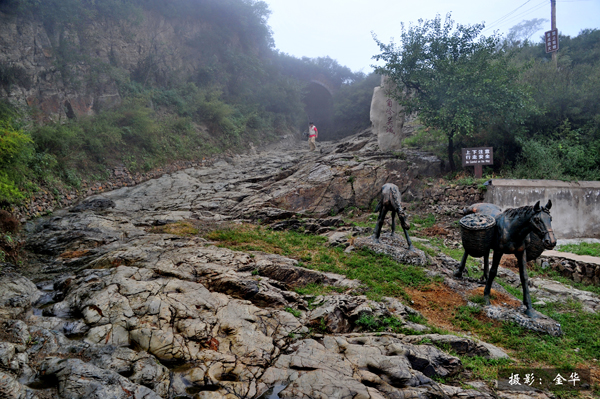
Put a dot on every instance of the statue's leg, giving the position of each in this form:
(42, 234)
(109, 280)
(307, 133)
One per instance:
(492, 276)
(393, 222)
(486, 266)
(461, 268)
(522, 261)
(379, 224)
(410, 245)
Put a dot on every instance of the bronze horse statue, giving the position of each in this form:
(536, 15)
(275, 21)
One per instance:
(512, 236)
(390, 201)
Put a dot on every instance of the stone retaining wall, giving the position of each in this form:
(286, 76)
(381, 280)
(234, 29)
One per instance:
(580, 272)
(453, 195)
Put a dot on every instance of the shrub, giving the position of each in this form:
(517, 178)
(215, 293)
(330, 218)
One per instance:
(16, 148)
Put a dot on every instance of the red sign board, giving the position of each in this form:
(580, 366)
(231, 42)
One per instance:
(551, 40)
(477, 156)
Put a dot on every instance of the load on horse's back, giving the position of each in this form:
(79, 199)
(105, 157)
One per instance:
(391, 201)
(511, 236)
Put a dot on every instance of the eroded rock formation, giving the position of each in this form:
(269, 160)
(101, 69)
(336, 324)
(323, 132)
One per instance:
(387, 116)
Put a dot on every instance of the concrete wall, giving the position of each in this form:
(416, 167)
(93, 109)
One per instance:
(575, 205)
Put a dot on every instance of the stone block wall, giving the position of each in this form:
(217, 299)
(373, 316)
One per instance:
(453, 195)
(580, 272)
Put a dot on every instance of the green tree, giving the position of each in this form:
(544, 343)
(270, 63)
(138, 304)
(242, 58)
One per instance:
(457, 81)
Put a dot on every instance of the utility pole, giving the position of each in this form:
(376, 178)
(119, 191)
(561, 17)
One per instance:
(553, 22)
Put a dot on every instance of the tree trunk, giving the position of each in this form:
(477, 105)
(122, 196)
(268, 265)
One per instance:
(451, 153)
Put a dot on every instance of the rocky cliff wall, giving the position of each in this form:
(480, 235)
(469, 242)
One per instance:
(75, 71)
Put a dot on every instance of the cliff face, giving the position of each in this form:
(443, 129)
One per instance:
(75, 70)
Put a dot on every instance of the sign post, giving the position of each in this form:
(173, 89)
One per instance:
(478, 157)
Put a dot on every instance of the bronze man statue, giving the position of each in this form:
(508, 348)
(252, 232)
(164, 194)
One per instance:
(390, 201)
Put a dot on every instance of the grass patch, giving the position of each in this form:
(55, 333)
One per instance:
(584, 248)
(181, 228)
(423, 222)
(379, 273)
(482, 368)
(315, 289)
(532, 348)
(295, 312)
(372, 323)
(470, 181)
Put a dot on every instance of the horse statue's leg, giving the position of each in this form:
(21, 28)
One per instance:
(461, 268)
(486, 266)
(393, 222)
(522, 261)
(405, 227)
(380, 219)
(491, 276)
(410, 245)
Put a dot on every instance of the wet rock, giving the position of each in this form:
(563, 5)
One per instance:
(553, 291)
(139, 367)
(339, 313)
(77, 379)
(10, 388)
(462, 346)
(17, 294)
(284, 270)
(395, 247)
(96, 205)
(16, 331)
(541, 323)
(338, 239)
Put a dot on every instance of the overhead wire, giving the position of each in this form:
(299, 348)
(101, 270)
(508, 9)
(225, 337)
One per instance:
(505, 16)
(512, 18)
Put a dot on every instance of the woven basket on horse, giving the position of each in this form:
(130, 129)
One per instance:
(477, 231)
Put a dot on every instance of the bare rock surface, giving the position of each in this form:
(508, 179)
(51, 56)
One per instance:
(548, 291)
(121, 312)
(395, 247)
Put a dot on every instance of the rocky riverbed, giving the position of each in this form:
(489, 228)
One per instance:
(108, 307)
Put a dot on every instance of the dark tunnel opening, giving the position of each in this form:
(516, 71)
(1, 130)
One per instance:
(319, 110)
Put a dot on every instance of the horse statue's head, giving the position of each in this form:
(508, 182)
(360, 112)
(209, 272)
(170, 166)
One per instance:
(542, 224)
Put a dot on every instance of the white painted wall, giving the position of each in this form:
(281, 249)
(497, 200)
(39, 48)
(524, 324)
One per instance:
(575, 205)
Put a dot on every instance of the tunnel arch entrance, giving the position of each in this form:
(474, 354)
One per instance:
(318, 105)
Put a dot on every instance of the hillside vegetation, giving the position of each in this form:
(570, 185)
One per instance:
(235, 88)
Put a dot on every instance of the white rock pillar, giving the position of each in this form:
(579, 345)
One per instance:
(387, 116)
